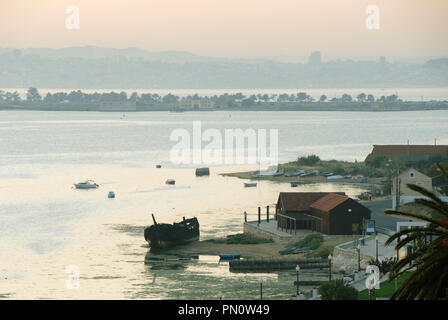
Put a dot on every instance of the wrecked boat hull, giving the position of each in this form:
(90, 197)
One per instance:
(163, 235)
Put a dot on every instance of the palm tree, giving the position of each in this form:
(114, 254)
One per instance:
(430, 259)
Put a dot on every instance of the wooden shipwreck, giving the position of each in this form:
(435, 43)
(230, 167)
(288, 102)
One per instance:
(163, 235)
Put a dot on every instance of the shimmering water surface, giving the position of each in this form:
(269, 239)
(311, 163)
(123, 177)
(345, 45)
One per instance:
(46, 225)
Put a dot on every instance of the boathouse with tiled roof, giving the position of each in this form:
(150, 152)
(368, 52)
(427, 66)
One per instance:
(331, 213)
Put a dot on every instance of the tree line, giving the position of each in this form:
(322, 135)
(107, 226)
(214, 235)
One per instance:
(226, 99)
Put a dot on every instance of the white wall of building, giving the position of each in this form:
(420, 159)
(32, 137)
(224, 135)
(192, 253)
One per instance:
(407, 199)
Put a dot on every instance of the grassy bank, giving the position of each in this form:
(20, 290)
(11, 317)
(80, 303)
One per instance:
(337, 167)
(386, 289)
(321, 247)
(375, 179)
(239, 238)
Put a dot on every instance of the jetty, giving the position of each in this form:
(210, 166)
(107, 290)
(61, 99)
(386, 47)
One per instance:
(266, 265)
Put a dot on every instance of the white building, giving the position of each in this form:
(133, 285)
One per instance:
(405, 194)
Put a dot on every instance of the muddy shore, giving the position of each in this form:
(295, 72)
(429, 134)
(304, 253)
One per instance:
(262, 250)
(250, 251)
(302, 180)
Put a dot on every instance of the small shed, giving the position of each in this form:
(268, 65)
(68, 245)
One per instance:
(293, 209)
(337, 213)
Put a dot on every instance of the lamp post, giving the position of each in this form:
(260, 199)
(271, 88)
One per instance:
(261, 290)
(376, 239)
(329, 262)
(372, 294)
(297, 269)
(359, 257)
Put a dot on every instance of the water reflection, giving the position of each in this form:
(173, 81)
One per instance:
(46, 225)
(205, 276)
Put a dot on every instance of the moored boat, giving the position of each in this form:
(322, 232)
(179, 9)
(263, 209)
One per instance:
(88, 184)
(279, 173)
(163, 235)
(288, 250)
(231, 256)
(250, 184)
(170, 181)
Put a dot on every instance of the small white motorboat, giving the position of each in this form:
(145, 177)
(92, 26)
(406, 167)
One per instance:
(88, 184)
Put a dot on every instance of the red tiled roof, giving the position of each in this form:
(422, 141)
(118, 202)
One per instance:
(301, 201)
(405, 149)
(406, 170)
(329, 202)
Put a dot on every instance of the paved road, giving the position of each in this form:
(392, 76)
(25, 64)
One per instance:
(382, 220)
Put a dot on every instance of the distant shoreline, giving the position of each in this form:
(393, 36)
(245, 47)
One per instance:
(309, 106)
(135, 102)
(301, 180)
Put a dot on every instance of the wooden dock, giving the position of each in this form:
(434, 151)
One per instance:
(310, 282)
(258, 265)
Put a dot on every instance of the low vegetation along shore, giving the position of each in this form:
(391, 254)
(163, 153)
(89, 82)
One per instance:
(320, 171)
(375, 175)
(120, 101)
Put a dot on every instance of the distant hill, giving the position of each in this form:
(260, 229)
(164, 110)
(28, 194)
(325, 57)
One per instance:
(97, 67)
(93, 52)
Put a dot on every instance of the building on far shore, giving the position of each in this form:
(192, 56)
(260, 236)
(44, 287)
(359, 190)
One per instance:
(196, 103)
(407, 153)
(325, 212)
(118, 105)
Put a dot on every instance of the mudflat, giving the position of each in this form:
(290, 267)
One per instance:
(261, 250)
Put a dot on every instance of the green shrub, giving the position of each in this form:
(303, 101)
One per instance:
(387, 188)
(385, 265)
(324, 252)
(310, 160)
(355, 228)
(313, 241)
(378, 162)
(337, 290)
(339, 170)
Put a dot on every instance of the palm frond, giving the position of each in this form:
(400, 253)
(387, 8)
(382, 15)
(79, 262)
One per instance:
(427, 231)
(401, 267)
(437, 207)
(416, 216)
(442, 170)
(410, 238)
(426, 193)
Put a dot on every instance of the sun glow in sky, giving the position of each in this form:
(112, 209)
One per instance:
(409, 29)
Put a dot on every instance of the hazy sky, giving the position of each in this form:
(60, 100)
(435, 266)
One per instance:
(409, 29)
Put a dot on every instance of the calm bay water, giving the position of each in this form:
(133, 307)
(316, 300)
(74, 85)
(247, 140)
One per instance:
(46, 225)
